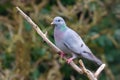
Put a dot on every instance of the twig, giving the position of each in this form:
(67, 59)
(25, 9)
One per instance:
(99, 70)
(89, 74)
(63, 9)
(46, 33)
(81, 70)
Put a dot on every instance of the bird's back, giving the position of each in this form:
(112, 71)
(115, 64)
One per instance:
(75, 44)
(75, 41)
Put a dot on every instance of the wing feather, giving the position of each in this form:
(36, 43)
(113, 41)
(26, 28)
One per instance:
(73, 42)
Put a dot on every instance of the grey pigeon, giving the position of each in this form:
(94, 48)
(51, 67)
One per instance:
(70, 42)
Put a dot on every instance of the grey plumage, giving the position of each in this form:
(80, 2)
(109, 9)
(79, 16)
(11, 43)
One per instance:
(70, 42)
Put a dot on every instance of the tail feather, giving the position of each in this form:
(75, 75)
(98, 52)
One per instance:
(91, 57)
(98, 61)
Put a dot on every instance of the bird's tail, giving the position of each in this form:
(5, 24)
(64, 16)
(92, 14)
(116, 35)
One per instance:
(91, 57)
(98, 61)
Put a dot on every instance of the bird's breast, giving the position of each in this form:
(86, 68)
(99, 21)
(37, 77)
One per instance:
(58, 35)
(59, 40)
(60, 44)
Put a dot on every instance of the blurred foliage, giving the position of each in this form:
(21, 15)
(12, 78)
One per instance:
(25, 56)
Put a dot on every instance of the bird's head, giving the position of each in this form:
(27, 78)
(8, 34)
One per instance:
(58, 21)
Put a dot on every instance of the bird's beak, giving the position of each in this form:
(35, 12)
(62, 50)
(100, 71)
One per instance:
(52, 23)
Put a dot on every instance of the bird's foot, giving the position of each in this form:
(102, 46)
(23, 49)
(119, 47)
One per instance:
(69, 60)
(61, 54)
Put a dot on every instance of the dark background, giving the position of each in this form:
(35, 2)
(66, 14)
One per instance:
(25, 56)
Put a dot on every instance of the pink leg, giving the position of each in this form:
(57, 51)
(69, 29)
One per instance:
(61, 54)
(70, 60)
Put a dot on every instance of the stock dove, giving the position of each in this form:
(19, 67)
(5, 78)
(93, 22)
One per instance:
(70, 42)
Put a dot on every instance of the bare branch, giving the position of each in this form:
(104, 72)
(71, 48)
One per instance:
(99, 70)
(46, 39)
(63, 9)
(81, 69)
(89, 74)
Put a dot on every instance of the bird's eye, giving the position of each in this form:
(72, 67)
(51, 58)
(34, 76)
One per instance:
(58, 20)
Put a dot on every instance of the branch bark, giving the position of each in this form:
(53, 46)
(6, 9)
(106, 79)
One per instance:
(81, 70)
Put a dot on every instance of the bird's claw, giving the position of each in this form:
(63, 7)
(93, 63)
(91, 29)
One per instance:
(69, 60)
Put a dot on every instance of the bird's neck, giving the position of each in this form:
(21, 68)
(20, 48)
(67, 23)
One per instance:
(59, 32)
(61, 28)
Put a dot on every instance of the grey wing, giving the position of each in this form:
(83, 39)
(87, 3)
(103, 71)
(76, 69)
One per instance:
(74, 42)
